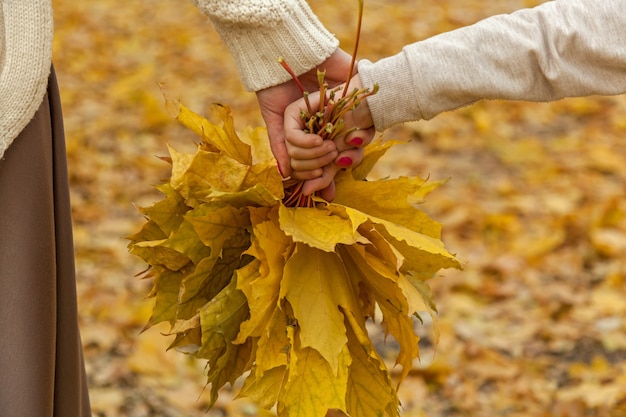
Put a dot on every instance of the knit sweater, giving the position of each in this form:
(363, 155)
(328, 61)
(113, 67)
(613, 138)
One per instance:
(25, 59)
(258, 32)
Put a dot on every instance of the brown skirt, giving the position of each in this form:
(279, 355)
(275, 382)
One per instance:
(41, 364)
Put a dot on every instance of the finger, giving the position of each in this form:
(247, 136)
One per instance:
(357, 138)
(309, 147)
(312, 164)
(349, 157)
(328, 193)
(345, 159)
(321, 182)
(295, 129)
(306, 175)
(278, 146)
(296, 137)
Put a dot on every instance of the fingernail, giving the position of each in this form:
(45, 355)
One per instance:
(356, 141)
(280, 171)
(344, 161)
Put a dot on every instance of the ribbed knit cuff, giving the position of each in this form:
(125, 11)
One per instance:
(298, 37)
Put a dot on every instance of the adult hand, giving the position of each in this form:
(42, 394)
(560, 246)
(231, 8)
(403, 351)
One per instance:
(316, 160)
(274, 100)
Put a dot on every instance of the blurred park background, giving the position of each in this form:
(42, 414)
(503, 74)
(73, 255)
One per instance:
(534, 326)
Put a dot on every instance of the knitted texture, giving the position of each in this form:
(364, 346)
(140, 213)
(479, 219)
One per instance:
(25, 59)
(258, 32)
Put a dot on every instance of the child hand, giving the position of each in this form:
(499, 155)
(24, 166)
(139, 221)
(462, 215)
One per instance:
(274, 100)
(316, 160)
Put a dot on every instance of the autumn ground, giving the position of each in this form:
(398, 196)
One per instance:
(533, 326)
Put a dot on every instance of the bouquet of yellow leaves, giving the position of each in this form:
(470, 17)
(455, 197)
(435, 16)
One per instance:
(276, 296)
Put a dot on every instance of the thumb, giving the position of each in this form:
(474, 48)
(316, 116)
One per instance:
(276, 133)
(323, 182)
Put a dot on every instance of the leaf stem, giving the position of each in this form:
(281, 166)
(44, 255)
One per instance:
(305, 94)
(356, 47)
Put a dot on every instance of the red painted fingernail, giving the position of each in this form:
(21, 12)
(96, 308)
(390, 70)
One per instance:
(344, 161)
(280, 171)
(356, 141)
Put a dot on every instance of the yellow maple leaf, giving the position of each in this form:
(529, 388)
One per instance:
(316, 285)
(389, 199)
(264, 388)
(313, 386)
(224, 137)
(273, 344)
(317, 227)
(260, 279)
(370, 389)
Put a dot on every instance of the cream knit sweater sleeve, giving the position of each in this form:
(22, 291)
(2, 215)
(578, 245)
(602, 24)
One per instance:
(25, 58)
(258, 32)
(562, 48)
